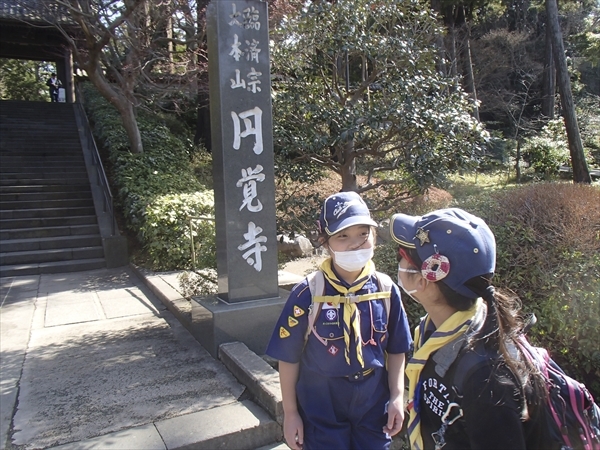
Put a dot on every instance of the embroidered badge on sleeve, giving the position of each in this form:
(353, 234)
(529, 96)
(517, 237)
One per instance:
(283, 333)
(298, 311)
(292, 322)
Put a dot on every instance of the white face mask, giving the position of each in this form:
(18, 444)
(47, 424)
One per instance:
(353, 260)
(407, 292)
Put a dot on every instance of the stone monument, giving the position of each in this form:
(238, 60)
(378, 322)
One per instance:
(249, 299)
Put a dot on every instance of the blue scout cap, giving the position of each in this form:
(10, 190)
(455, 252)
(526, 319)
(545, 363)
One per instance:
(453, 244)
(342, 210)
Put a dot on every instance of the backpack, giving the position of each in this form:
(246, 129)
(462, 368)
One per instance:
(572, 419)
(316, 284)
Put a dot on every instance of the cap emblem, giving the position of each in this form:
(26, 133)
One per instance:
(423, 236)
(342, 207)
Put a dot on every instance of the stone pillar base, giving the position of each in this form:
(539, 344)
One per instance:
(216, 322)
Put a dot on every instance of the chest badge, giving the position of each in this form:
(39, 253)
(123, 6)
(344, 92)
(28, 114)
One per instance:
(333, 350)
(331, 315)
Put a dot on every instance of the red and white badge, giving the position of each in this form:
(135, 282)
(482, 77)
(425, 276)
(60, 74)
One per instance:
(436, 267)
(333, 350)
(330, 305)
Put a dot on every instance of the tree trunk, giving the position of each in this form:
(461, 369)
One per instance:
(452, 50)
(125, 108)
(468, 67)
(131, 127)
(581, 173)
(549, 78)
(348, 168)
(440, 63)
(518, 162)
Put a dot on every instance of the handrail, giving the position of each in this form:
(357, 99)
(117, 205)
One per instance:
(101, 180)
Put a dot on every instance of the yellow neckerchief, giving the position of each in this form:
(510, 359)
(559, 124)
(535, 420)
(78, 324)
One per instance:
(453, 327)
(351, 314)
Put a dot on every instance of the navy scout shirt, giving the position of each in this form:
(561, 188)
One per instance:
(325, 356)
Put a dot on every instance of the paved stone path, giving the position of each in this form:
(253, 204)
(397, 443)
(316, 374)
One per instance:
(95, 353)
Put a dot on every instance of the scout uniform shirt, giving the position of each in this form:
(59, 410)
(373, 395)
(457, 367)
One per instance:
(325, 356)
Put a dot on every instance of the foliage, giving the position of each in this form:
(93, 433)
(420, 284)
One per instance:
(547, 151)
(357, 91)
(166, 230)
(588, 40)
(508, 73)
(134, 52)
(157, 190)
(548, 253)
(24, 80)
(588, 115)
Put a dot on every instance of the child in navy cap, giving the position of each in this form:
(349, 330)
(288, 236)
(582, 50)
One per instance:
(468, 388)
(341, 340)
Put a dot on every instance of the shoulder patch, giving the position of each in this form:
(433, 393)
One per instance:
(298, 311)
(292, 322)
(283, 333)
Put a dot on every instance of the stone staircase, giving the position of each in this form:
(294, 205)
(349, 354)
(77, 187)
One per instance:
(48, 222)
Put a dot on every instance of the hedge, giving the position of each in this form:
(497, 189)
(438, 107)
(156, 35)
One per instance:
(156, 191)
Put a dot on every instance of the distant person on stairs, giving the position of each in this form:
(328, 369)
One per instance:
(53, 83)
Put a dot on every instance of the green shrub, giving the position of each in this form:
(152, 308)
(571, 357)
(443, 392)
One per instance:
(548, 253)
(157, 191)
(548, 238)
(549, 150)
(166, 230)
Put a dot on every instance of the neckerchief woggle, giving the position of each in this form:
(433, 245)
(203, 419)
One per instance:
(456, 325)
(351, 314)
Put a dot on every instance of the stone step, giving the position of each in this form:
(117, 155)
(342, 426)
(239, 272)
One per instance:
(46, 212)
(47, 232)
(36, 164)
(240, 426)
(43, 204)
(50, 243)
(50, 255)
(35, 159)
(41, 222)
(42, 158)
(78, 172)
(76, 265)
(43, 187)
(58, 153)
(33, 196)
(77, 179)
(31, 147)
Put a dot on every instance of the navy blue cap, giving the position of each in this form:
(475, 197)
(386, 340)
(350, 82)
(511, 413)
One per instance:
(343, 210)
(464, 239)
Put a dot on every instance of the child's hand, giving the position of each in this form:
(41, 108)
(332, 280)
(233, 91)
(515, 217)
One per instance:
(395, 416)
(293, 430)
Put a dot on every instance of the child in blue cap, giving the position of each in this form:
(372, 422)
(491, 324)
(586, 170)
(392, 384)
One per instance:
(341, 341)
(468, 388)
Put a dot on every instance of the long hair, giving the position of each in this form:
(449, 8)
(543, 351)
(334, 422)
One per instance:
(500, 331)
